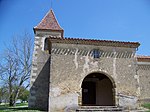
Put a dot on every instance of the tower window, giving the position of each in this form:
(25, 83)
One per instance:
(47, 46)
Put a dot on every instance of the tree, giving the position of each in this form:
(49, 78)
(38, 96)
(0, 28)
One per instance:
(24, 94)
(3, 95)
(15, 66)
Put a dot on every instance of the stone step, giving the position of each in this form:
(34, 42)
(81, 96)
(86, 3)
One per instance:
(99, 109)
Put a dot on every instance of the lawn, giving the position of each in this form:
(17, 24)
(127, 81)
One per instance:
(18, 108)
(146, 105)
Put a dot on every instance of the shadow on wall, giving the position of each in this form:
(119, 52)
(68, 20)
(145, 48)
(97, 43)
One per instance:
(40, 88)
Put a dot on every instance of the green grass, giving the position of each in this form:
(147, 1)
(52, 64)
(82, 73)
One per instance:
(146, 105)
(23, 107)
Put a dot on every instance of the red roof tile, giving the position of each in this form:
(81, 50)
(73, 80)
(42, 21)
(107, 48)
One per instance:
(143, 58)
(95, 42)
(49, 22)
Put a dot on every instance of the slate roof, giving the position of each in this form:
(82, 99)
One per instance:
(49, 22)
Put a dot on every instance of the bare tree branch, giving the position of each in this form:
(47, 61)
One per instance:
(15, 67)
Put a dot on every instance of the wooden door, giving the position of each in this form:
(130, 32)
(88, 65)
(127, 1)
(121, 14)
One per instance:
(88, 93)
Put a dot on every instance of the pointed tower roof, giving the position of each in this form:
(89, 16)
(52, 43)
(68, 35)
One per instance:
(49, 22)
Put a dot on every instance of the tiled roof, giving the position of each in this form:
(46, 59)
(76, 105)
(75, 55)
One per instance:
(49, 22)
(95, 42)
(143, 58)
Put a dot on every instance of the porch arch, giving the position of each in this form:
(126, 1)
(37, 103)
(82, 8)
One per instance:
(98, 89)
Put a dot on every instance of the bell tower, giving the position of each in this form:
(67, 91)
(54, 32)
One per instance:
(40, 73)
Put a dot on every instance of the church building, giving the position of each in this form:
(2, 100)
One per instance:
(76, 74)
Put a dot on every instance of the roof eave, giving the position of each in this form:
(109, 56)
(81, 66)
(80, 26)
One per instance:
(96, 42)
(39, 29)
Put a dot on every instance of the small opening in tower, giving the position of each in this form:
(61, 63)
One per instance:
(47, 46)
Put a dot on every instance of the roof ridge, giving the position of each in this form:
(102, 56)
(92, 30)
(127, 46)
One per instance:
(100, 40)
(143, 56)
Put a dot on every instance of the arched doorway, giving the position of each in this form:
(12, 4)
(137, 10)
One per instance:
(98, 89)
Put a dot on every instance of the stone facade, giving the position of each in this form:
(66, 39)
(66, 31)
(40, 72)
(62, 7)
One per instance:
(73, 68)
(63, 67)
(39, 82)
(143, 71)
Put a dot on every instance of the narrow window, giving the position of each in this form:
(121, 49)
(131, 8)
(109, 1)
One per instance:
(47, 46)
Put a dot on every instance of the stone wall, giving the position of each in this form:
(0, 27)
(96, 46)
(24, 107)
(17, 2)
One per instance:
(39, 80)
(71, 63)
(144, 76)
